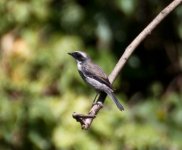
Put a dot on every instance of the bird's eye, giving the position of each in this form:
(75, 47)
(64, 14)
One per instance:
(80, 57)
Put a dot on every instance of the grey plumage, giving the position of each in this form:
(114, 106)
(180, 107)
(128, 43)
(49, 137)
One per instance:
(94, 75)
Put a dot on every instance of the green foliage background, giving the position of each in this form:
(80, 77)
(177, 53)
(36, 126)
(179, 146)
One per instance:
(40, 87)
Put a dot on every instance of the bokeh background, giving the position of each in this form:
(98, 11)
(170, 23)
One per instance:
(40, 87)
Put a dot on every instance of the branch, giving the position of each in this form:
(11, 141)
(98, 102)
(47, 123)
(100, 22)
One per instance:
(129, 50)
(86, 120)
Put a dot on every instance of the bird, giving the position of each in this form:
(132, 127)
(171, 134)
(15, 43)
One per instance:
(94, 75)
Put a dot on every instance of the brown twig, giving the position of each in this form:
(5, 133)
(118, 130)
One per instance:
(86, 120)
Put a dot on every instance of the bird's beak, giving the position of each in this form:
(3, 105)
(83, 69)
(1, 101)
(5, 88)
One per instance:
(70, 54)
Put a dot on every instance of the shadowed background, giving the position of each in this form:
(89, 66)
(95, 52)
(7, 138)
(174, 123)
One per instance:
(40, 87)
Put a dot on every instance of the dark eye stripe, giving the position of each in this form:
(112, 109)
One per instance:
(79, 57)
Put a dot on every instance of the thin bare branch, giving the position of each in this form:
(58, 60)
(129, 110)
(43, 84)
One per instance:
(129, 50)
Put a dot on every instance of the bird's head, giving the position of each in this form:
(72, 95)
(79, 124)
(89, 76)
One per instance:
(79, 56)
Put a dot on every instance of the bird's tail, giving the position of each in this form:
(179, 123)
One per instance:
(115, 100)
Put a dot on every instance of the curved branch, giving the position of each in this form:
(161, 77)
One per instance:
(129, 50)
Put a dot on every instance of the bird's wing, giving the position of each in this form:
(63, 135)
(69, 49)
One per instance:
(94, 71)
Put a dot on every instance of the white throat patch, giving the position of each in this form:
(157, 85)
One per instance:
(79, 65)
